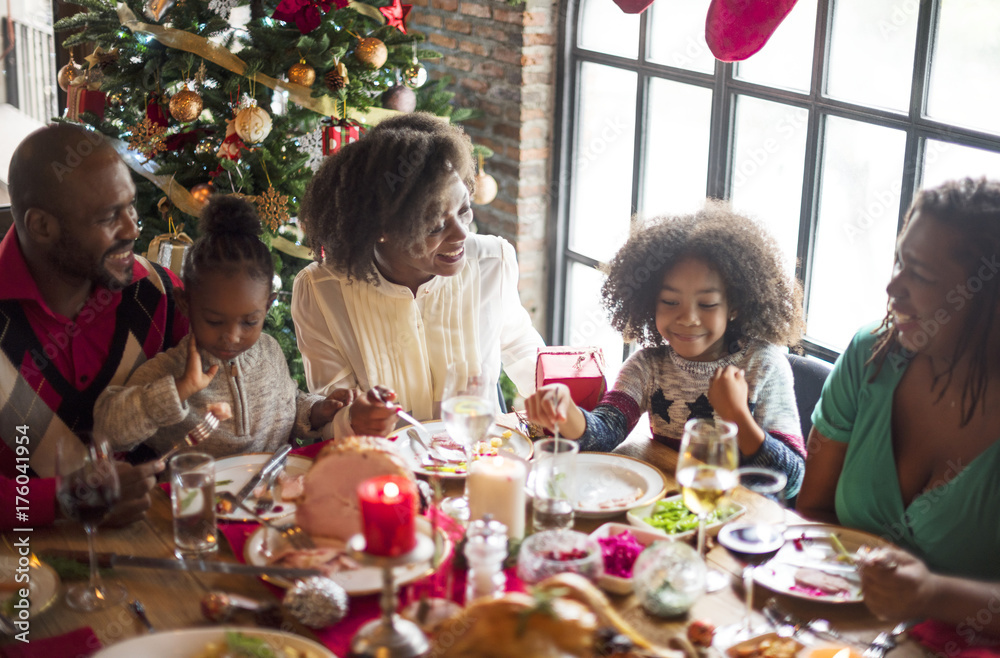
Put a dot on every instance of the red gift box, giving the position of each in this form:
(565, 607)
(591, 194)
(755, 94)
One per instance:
(79, 99)
(340, 133)
(580, 368)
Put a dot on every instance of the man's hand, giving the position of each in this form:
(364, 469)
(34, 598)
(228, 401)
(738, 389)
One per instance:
(136, 483)
(374, 413)
(324, 411)
(194, 379)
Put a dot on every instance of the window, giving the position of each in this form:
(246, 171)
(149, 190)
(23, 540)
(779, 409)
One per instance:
(823, 135)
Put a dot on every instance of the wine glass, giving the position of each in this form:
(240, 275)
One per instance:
(753, 543)
(468, 409)
(87, 487)
(705, 471)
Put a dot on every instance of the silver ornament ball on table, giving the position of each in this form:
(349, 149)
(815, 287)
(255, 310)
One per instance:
(316, 601)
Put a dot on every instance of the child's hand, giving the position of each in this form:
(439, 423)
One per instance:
(553, 404)
(220, 410)
(194, 379)
(324, 411)
(728, 393)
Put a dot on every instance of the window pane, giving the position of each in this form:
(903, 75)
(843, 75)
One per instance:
(677, 35)
(871, 52)
(946, 161)
(676, 147)
(602, 161)
(858, 213)
(768, 166)
(586, 319)
(786, 59)
(607, 29)
(965, 65)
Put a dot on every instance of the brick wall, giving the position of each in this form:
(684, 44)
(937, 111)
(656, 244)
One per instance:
(502, 59)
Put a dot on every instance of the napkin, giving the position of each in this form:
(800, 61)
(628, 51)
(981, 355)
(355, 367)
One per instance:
(76, 644)
(945, 639)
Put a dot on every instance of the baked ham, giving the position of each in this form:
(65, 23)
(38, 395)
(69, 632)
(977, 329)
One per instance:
(826, 583)
(329, 504)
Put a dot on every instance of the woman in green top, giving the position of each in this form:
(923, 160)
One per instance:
(906, 442)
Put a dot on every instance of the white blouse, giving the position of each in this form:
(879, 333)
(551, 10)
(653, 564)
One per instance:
(353, 334)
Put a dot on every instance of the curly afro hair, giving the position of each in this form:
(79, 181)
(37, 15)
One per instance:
(388, 184)
(229, 242)
(971, 208)
(768, 302)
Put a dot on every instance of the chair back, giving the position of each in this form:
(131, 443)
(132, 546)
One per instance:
(809, 375)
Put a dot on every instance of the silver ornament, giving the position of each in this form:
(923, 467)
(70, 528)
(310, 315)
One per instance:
(414, 75)
(316, 601)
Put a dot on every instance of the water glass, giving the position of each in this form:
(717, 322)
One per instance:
(192, 494)
(554, 484)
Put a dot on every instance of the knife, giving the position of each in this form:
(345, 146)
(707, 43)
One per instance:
(418, 426)
(269, 466)
(115, 560)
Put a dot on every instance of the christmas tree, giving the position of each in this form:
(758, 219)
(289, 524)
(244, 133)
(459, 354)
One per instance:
(240, 97)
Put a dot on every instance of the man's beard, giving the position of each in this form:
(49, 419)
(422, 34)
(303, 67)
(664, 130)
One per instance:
(68, 259)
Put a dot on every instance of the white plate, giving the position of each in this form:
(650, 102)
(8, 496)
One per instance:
(516, 443)
(42, 584)
(638, 516)
(778, 575)
(608, 484)
(357, 582)
(190, 641)
(241, 468)
(617, 584)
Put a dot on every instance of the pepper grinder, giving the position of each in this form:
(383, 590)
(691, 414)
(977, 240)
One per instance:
(485, 551)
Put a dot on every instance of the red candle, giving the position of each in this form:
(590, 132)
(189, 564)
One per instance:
(388, 508)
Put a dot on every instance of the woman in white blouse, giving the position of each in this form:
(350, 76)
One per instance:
(403, 289)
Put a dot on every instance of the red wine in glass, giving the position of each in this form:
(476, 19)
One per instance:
(752, 544)
(87, 498)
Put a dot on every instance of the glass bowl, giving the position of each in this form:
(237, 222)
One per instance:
(668, 577)
(548, 553)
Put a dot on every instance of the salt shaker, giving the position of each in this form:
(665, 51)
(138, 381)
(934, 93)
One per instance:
(485, 551)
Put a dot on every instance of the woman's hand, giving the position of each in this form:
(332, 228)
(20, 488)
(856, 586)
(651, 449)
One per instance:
(373, 413)
(324, 411)
(896, 585)
(194, 379)
(136, 483)
(551, 405)
(727, 391)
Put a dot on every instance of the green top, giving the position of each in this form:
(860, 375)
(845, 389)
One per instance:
(954, 527)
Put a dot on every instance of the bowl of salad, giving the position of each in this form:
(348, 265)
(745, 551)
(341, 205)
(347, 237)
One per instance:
(672, 519)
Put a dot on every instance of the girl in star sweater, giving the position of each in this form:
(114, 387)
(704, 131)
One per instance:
(710, 297)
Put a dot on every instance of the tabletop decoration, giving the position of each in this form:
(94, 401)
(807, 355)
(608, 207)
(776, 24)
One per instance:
(388, 509)
(496, 487)
(668, 578)
(485, 550)
(317, 602)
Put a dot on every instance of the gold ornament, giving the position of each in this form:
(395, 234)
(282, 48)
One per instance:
(201, 192)
(68, 74)
(486, 189)
(253, 124)
(414, 75)
(302, 74)
(272, 206)
(146, 137)
(371, 52)
(186, 105)
(101, 57)
(155, 9)
(116, 99)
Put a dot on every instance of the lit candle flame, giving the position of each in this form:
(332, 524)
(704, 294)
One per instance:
(390, 490)
(843, 653)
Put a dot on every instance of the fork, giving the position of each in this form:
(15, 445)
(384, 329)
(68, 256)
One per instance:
(886, 640)
(265, 501)
(293, 534)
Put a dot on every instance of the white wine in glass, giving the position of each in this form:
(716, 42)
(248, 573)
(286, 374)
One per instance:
(468, 407)
(705, 472)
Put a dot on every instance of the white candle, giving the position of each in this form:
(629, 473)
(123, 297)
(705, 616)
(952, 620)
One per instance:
(496, 486)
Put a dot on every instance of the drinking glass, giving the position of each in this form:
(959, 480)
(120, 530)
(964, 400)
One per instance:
(706, 472)
(467, 407)
(753, 543)
(553, 484)
(87, 487)
(192, 496)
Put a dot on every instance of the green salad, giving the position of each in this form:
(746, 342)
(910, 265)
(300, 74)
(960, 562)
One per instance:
(672, 517)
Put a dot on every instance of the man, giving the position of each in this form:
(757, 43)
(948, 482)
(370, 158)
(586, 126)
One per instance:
(78, 310)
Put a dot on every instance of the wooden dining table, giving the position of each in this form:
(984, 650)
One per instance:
(171, 598)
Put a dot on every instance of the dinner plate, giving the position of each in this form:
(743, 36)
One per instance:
(356, 582)
(189, 642)
(637, 517)
(809, 546)
(42, 584)
(231, 473)
(515, 442)
(608, 484)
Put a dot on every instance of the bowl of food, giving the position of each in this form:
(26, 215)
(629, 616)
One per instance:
(670, 518)
(620, 547)
(552, 552)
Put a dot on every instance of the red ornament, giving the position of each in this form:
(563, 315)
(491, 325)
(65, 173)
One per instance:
(306, 14)
(155, 113)
(79, 99)
(395, 15)
(736, 29)
(340, 133)
(388, 515)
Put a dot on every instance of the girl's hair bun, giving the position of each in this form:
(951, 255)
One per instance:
(227, 214)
